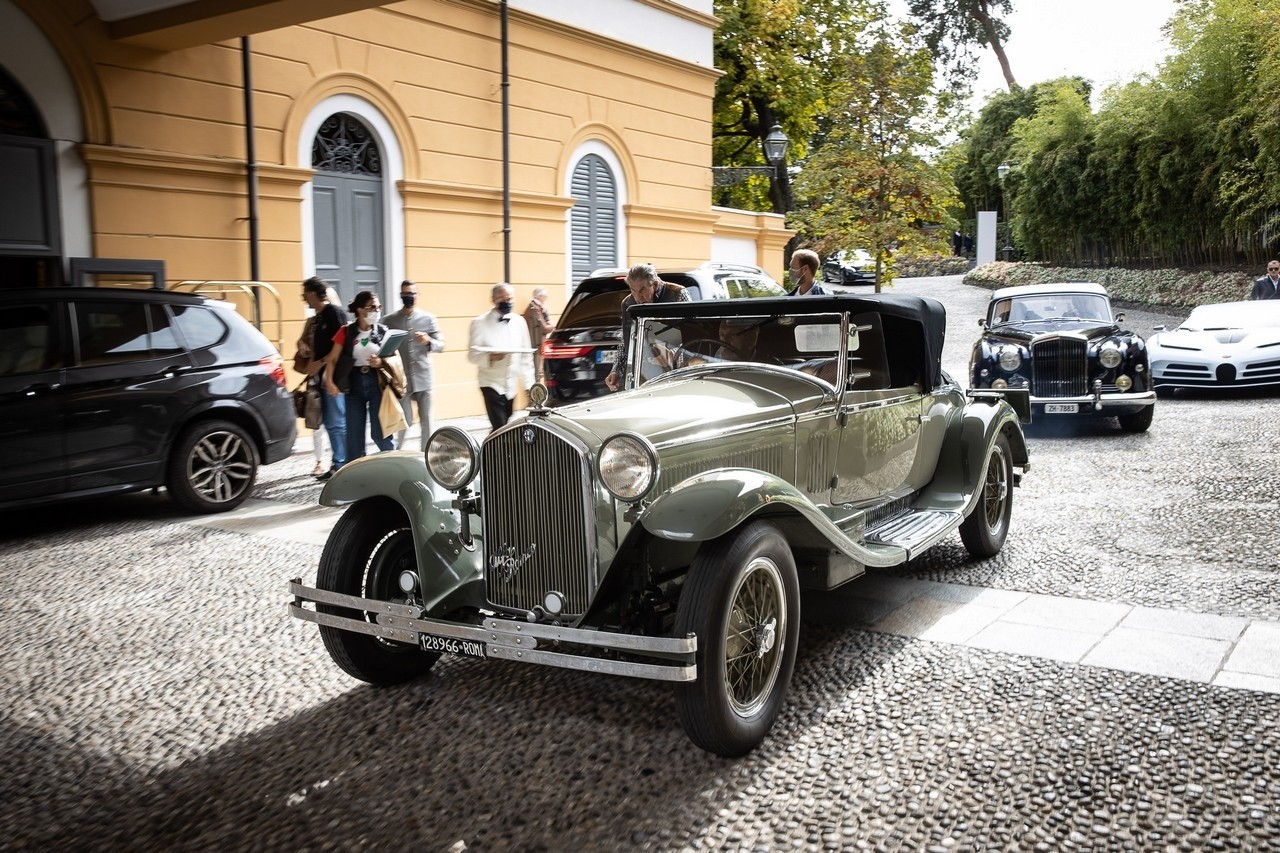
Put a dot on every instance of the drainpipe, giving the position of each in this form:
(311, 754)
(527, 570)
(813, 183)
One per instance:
(506, 155)
(252, 167)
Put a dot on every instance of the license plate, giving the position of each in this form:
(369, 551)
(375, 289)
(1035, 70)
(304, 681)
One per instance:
(606, 356)
(452, 646)
(1061, 408)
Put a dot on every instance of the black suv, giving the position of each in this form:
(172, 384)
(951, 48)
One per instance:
(579, 353)
(108, 390)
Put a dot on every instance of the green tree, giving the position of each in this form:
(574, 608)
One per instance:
(952, 28)
(871, 183)
(777, 59)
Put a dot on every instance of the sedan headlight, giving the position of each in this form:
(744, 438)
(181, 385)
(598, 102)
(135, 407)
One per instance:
(1010, 359)
(628, 466)
(452, 457)
(1110, 356)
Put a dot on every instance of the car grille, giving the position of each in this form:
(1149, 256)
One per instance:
(1059, 368)
(539, 534)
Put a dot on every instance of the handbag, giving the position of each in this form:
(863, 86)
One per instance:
(306, 402)
(390, 415)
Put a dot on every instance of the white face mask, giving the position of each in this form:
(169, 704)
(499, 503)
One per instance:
(372, 317)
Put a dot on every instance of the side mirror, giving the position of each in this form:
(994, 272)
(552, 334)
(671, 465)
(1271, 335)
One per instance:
(1120, 317)
(982, 322)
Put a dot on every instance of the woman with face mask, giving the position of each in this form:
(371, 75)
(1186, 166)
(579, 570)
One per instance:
(353, 371)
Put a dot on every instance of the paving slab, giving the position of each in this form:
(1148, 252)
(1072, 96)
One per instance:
(306, 523)
(1036, 641)
(1068, 614)
(1160, 653)
(1205, 625)
(938, 621)
(1257, 652)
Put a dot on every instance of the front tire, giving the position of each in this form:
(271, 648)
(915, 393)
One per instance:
(213, 467)
(985, 528)
(742, 601)
(366, 552)
(1138, 421)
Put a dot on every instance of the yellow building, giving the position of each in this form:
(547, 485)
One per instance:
(453, 142)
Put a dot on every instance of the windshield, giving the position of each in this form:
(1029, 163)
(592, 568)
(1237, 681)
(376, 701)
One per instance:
(1051, 306)
(811, 344)
(1234, 315)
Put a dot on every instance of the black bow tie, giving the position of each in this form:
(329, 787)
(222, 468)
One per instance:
(504, 319)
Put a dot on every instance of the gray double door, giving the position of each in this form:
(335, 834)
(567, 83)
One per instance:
(349, 237)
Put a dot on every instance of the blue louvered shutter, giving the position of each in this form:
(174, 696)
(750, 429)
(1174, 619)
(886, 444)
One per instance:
(594, 218)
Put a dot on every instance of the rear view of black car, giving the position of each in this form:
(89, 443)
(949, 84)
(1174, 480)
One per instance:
(109, 390)
(579, 353)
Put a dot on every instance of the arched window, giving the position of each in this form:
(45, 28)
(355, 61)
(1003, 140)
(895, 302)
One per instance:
(594, 218)
(343, 144)
(18, 115)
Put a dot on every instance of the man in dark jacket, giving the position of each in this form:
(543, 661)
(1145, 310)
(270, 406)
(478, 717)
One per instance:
(645, 287)
(333, 410)
(1268, 287)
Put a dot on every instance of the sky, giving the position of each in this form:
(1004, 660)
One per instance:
(1105, 41)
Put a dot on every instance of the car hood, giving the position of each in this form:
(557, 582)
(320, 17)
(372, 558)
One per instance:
(1217, 338)
(697, 405)
(1028, 330)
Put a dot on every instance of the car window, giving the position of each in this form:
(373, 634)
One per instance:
(28, 339)
(164, 338)
(112, 332)
(752, 288)
(199, 327)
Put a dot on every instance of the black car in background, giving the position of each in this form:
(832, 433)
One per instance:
(579, 353)
(849, 268)
(1064, 345)
(109, 390)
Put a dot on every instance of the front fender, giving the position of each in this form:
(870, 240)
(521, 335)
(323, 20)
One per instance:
(957, 482)
(711, 504)
(449, 567)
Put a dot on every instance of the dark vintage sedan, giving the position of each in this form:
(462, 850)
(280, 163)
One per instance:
(109, 390)
(665, 532)
(1063, 344)
(580, 351)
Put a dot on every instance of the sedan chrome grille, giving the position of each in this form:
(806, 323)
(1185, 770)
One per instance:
(538, 533)
(1060, 368)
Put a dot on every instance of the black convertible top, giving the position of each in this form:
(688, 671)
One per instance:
(929, 313)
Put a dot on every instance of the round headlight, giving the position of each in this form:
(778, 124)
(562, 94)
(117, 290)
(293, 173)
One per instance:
(1110, 356)
(1123, 383)
(452, 455)
(628, 466)
(1010, 359)
(999, 384)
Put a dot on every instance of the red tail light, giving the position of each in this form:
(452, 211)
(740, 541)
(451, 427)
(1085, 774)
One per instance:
(550, 350)
(274, 364)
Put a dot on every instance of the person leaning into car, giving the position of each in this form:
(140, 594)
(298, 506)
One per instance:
(351, 369)
(804, 271)
(645, 287)
(1268, 287)
(333, 410)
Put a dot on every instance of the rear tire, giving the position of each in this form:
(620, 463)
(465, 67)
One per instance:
(368, 548)
(742, 601)
(1138, 421)
(213, 467)
(985, 528)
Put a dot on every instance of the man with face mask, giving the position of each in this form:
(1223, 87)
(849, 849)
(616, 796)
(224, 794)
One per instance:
(502, 355)
(415, 352)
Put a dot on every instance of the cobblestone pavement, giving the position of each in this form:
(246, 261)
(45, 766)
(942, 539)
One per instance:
(153, 694)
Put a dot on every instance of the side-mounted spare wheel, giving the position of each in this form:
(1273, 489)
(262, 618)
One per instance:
(366, 552)
(742, 600)
(985, 528)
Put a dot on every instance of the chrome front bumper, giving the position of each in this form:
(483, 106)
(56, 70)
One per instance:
(1097, 401)
(505, 639)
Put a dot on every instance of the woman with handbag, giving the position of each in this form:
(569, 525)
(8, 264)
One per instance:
(353, 370)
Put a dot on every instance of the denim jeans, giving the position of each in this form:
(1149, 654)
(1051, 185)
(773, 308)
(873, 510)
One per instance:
(333, 414)
(363, 398)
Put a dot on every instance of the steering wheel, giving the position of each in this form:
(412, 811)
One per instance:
(714, 345)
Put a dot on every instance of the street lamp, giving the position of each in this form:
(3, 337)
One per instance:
(775, 151)
(1002, 171)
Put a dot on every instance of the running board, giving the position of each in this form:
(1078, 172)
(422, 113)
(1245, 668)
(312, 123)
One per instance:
(914, 530)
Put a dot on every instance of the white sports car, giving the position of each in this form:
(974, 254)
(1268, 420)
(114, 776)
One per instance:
(1226, 345)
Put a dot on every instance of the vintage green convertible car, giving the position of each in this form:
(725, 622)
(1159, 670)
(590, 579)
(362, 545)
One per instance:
(666, 531)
